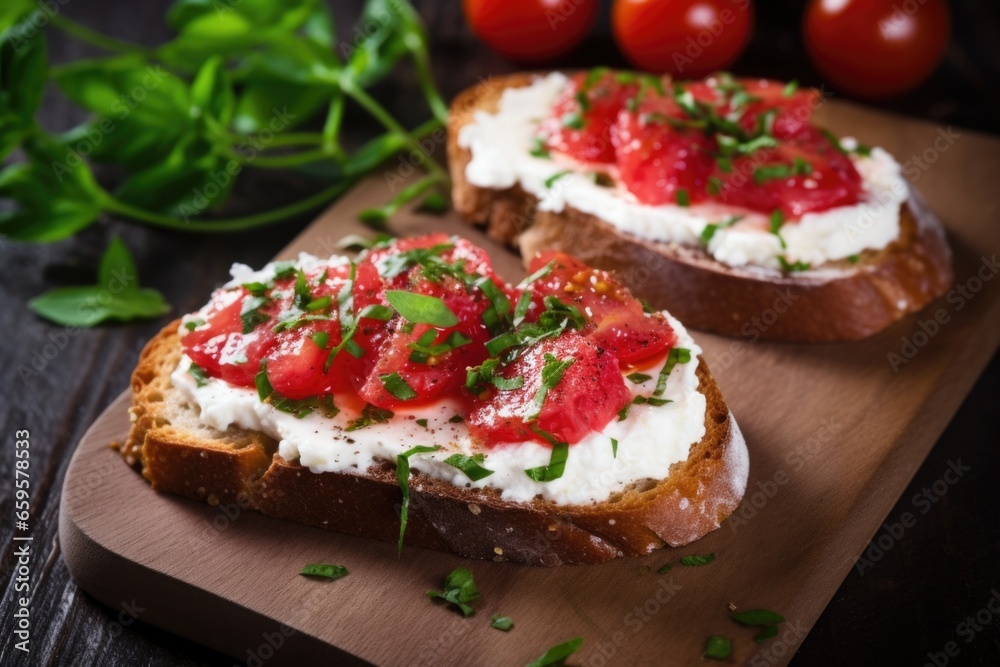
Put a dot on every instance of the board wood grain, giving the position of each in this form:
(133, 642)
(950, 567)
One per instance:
(835, 432)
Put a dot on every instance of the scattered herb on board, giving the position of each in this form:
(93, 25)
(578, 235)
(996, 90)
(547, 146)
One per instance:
(557, 654)
(695, 560)
(501, 622)
(324, 571)
(459, 590)
(717, 648)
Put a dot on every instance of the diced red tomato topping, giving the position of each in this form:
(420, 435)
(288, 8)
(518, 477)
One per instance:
(615, 319)
(589, 394)
(720, 139)
(341, 330)
(581, 119)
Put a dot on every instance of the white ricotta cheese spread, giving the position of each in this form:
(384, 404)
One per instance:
(501, 142)
(650, 439)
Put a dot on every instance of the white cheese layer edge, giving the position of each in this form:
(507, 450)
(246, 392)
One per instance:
(650, 439)
(500, 144)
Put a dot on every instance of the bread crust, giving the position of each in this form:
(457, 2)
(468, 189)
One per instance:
(243, 466)
(838, 301)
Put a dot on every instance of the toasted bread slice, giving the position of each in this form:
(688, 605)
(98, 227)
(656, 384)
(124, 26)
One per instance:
(178, 454)
(838, 301)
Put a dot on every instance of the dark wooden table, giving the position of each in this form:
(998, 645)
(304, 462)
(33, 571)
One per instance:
(901, 606)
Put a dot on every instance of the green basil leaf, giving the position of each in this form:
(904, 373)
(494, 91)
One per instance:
(677, 355)
(371, 414)
(501, 622)
(397, 386)
(54, 200)
(23, 74)
(199, 374)
(459, 590)
(757, 617)
(766, 632)
(212, 92)
(470, 465)
(323, 570)
(557, 654)
(614, 448)
(143, 110)
(695, 561)
(717, 648)
(638, 378)
(557, 460)
(117, 296)
(552, 373)
(403, 476)
(421, 309)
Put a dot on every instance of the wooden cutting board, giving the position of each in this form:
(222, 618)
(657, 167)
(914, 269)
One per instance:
(835, 433)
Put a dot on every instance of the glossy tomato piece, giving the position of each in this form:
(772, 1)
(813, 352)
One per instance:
(616, 321)
(812, 175)
(531, 30)
(587, 397)
(430, 377)
(689, 38)
(580, 122)
(660, 163)
(792, 106)
(222, 348)
(876, 48)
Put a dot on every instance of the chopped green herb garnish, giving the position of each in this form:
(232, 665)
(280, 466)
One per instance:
(302, 294)
(321, 303)
(456, 419)
(501, 622)
(581, 99)
(557, 654)
(550, 181)
(663, 569)
(757, 617)
(557, 460)
(651, 400)
(777, 220)
(422, 422)
(323, 570)
(552, 373)
(537, 275)
(790, 88)
(299, 408)
(251, 315)
(424, 347)
(853, 259)
(678, 355)
(801, 167)
(396, 385)
(614, 448)
(459, 590)
(403, 476)
(623, 413)
(766, 632)
(538, 148)
(371, 414)
(199, 374)
(638, 378)
(321, 338)
(694, 561)
(683, 199)
(770, 172)
(791, 267)
(470, 465)
(573, 120)
(708, 231)
(193, 324)
(284, 270)
(377, 311)
(717, 648)
(257, 288)
(421, 309)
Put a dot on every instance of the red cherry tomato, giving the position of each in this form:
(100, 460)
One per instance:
(531, 30)
(689, 38)
(876, 48)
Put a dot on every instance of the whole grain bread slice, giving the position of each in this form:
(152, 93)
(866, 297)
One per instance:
(180, 455)
(839, 301)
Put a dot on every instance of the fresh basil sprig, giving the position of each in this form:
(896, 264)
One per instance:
(183, 119)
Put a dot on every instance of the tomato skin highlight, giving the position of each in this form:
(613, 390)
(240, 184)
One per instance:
(874, 48)
(687, 38)
(531, 31)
